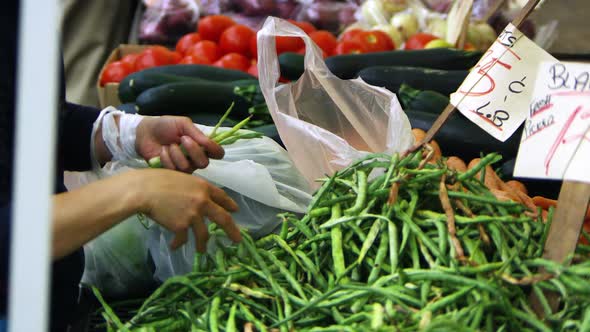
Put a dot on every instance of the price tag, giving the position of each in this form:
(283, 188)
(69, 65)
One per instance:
(497, 92)
(554, 143)
(578, 167)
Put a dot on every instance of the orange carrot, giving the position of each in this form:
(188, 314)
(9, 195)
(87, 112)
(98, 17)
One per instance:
(456, 164)
(419, 134)
(437, 151)
(544, 203)
(518, 186)
(489, 180)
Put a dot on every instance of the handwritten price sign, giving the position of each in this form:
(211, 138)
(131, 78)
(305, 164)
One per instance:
(556, 134)
(497, 92)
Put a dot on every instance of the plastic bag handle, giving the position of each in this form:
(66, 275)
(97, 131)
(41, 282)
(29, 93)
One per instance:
(268, 63)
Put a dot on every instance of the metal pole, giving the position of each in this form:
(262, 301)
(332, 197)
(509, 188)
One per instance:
(36, 102)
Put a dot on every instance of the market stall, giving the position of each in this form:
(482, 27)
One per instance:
(382, 184)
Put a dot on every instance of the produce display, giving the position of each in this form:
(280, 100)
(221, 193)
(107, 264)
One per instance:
(416, 242)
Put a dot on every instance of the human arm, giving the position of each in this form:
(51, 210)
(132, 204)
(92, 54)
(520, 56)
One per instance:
(177, 201)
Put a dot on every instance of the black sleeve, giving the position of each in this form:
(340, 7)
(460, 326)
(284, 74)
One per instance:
(74, 139)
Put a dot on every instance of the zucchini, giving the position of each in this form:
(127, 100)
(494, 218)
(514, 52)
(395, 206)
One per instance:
(349, 66)
(461, 137)
(425, 101)
(292, 65)
(127, 94)
(392, 77)
(130, 88)
(198, 97)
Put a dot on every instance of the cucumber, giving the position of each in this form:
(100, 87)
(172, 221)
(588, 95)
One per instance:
(292, 65)
(424, 101)
(349, 66)
(130, 89)
(127, 94)
(461, 137)
(198, 97)
(392, 77)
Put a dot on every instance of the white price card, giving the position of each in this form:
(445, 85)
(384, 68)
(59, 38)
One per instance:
(555, 134)
(578, 166)
(496, 94)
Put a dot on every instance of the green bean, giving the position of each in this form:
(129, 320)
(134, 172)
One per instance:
(285, 273)
(230, 325)
(213, 312)
(392, 236)
(336, 237)
(250, 317)
(373, 232)
(380, 256)
(447, 300)
(487, 160)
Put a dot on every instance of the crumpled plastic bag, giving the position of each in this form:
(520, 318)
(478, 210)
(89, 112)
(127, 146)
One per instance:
(116, 262)
(258, 174)
(325, 122)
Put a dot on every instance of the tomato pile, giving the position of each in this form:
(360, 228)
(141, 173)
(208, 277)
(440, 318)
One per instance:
(220, 41)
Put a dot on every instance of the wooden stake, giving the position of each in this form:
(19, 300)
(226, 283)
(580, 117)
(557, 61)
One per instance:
(444, 116)
(564, 232)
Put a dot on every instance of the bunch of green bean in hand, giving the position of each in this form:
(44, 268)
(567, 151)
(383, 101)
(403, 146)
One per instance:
(389, 243)
(227, 137)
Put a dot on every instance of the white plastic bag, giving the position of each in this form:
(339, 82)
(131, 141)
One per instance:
(256, 173)
(259, 175)
(116, 262)
(326, 122)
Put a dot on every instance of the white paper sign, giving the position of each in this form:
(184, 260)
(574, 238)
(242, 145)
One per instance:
(497, 92)
(578, 168)
(556, 128)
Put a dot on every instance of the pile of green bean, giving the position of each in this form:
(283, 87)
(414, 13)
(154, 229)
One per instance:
(388, 244)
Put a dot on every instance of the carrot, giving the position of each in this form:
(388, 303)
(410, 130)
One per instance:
(489, 180)
(543, 202)
(522, 197)
(437, 151)
(419, 134)
(501, 195)
(456, 164)
(518, 186)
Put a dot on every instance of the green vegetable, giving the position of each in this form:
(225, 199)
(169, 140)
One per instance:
(424, 101)
(386, 265)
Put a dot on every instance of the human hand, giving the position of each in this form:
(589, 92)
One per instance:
(179, 201)
(162, 136)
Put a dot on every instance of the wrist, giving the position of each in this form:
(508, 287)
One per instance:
(135, 195)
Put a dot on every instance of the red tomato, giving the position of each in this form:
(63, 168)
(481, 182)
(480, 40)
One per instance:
(205, 49)
(349, 34)
(194, 60)
(253, 69)
(374, 41)
(211, 27)
(187, 41)
(233, 61)
(176, 57)
(305, 26)
(130, 59)
(469, 47)
(254, 47)
(419, 40)
(349, 47)
(288, 44)
(325, 40)
(114, 72)
(154, 56)
(236, 39)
